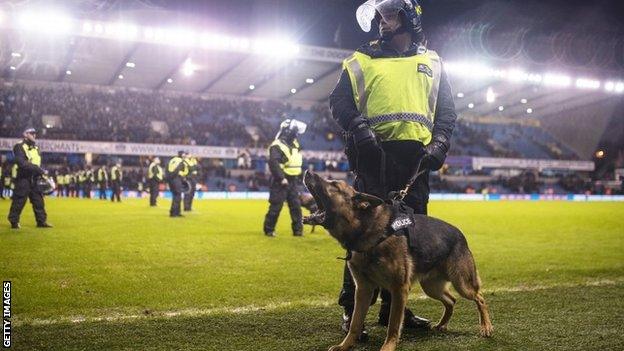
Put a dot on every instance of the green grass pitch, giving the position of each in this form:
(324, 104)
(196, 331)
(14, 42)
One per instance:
(124, 276)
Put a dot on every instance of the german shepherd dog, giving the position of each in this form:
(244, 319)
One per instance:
(360, 223)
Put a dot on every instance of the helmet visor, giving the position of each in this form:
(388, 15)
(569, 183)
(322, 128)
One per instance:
(387, 9)
(300, 126)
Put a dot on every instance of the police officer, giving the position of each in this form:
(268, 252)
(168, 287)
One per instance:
(102, 179)
(193, 165)
(72, 185)
(28, 161)
(285, 162)
(395, 104)
(60, 183)
(89, 181)
(80, 180)
(177, 171)
(3, 170)
(116, 177)
(154, 177)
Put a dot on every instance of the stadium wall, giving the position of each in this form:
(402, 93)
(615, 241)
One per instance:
(261, 195)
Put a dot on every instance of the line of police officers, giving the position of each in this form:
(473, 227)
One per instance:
(25, 179)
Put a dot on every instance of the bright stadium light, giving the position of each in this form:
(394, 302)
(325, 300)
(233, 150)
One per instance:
(471, 105)
(523, 101)
(517, 75)
(557, 80)
(188, 68)
(619, 87)
(87, 27)
(276, 47)
(180, 37)
(252, 87)
(460, 95)
(98, 28)
(293, 91)
(12, 68)
(489, 95)
(49, 22)
(68, 72)
(16, 54)
(169, 80)
(310, 80)
(148, 33)
(122, 31)
(501, 108)
(534, 78)
(587, 83)
(529, 110)
(609, 86)
(130, 64)
(120, 76)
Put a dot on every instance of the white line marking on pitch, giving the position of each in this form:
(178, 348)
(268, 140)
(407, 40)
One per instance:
(195, 312)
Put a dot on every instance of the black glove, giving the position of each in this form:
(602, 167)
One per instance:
(435, 153)
(363, 136)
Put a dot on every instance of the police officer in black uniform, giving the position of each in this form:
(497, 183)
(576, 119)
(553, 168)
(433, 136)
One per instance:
(384, 152)
(155, 176)
(102, 179)
(116, 177)
(177, 171)
(28, 160)
(3, 166)
(89, 180)
(285, 162)
(192, 178)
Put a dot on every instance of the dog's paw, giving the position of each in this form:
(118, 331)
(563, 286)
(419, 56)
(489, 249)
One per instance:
(439, 328)
(486, 331)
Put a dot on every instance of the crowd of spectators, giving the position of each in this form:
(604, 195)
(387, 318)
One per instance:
(124, 115)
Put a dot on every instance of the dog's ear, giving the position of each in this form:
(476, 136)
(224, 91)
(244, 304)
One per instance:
(365, 201)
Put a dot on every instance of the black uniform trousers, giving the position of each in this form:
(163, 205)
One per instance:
(87, 190)
(153, 189)
(401, 159)
(278, 194)
(175, 185)
(102, 191)
(116, 187)
(188, 198)
(25, 189)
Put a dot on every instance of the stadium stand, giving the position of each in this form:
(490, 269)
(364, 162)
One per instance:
(105, 114)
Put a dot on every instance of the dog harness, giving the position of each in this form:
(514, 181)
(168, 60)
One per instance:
(401, 224)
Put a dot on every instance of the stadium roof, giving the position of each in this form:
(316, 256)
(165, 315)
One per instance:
(262, 71)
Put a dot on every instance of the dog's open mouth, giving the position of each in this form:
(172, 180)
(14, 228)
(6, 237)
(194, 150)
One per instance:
(320, 215)
(317, 217)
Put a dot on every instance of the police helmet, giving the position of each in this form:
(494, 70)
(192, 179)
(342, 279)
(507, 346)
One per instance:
(186, 187)
(45, 185)
(409, 10)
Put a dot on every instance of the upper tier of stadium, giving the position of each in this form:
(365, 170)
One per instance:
(110, 80)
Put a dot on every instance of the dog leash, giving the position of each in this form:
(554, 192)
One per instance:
(399, 196)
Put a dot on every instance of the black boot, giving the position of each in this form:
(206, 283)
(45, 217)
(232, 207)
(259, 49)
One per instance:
(410, 321)
(346, 324)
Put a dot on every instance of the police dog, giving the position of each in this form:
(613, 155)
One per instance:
(360, 223)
